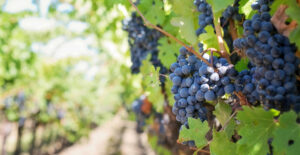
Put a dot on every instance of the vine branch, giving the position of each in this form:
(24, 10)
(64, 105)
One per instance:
(233, 30)
(198, 149)
(190, 49)
(212, 50)
(223, 51)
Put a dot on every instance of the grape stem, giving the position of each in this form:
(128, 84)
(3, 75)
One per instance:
(190, 49)
(164, 75)
(197, 149)
(212, 50)
(223, 51)
(243, 99)
(233, 30)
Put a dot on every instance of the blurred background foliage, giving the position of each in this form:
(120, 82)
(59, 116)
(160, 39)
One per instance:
(64, 67)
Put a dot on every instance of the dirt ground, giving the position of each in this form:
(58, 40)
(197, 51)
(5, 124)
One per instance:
(115, 137)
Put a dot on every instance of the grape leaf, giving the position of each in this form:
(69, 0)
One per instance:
(240, 30)
(169, 85)
(167, 26)
(223, 113)
(218, 6)
(185, 24)
(185, 20)
(151, 84)
(221, 145)
(110, 3)
(275, 6)
(293, 10)
(241, 65)
(180, 7)
(288, 132)
(245, 8)
(153, 11)
(167, 50)
(257, 126)
(294, 36)
(159, 149)
(209, 39)
(196, 132)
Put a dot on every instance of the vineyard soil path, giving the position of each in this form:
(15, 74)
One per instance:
(115, 137)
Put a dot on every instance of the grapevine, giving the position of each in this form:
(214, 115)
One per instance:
(169, 77)
(209, 78)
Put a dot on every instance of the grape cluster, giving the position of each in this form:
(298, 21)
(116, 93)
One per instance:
(245, 83)
(195, 82)
(206, 16)
(273, 59)
(232, 12)
(142, 41)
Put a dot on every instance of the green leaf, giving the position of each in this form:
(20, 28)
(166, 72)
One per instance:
(221, 145)
(245, 8)
(159, 149)
(110, 3)
(167, 50)
(153, 11)
(257, 126)
(287, 135)
(240, 30)
(218, 6)
(275, 6)
(223, 113)
(185, 20)
(151, 84)
(294, 36)
(169, 85)
(196, 132)
(241, 65)
(180, 7)
(186, 28)
(293, 10)
(209, 39)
